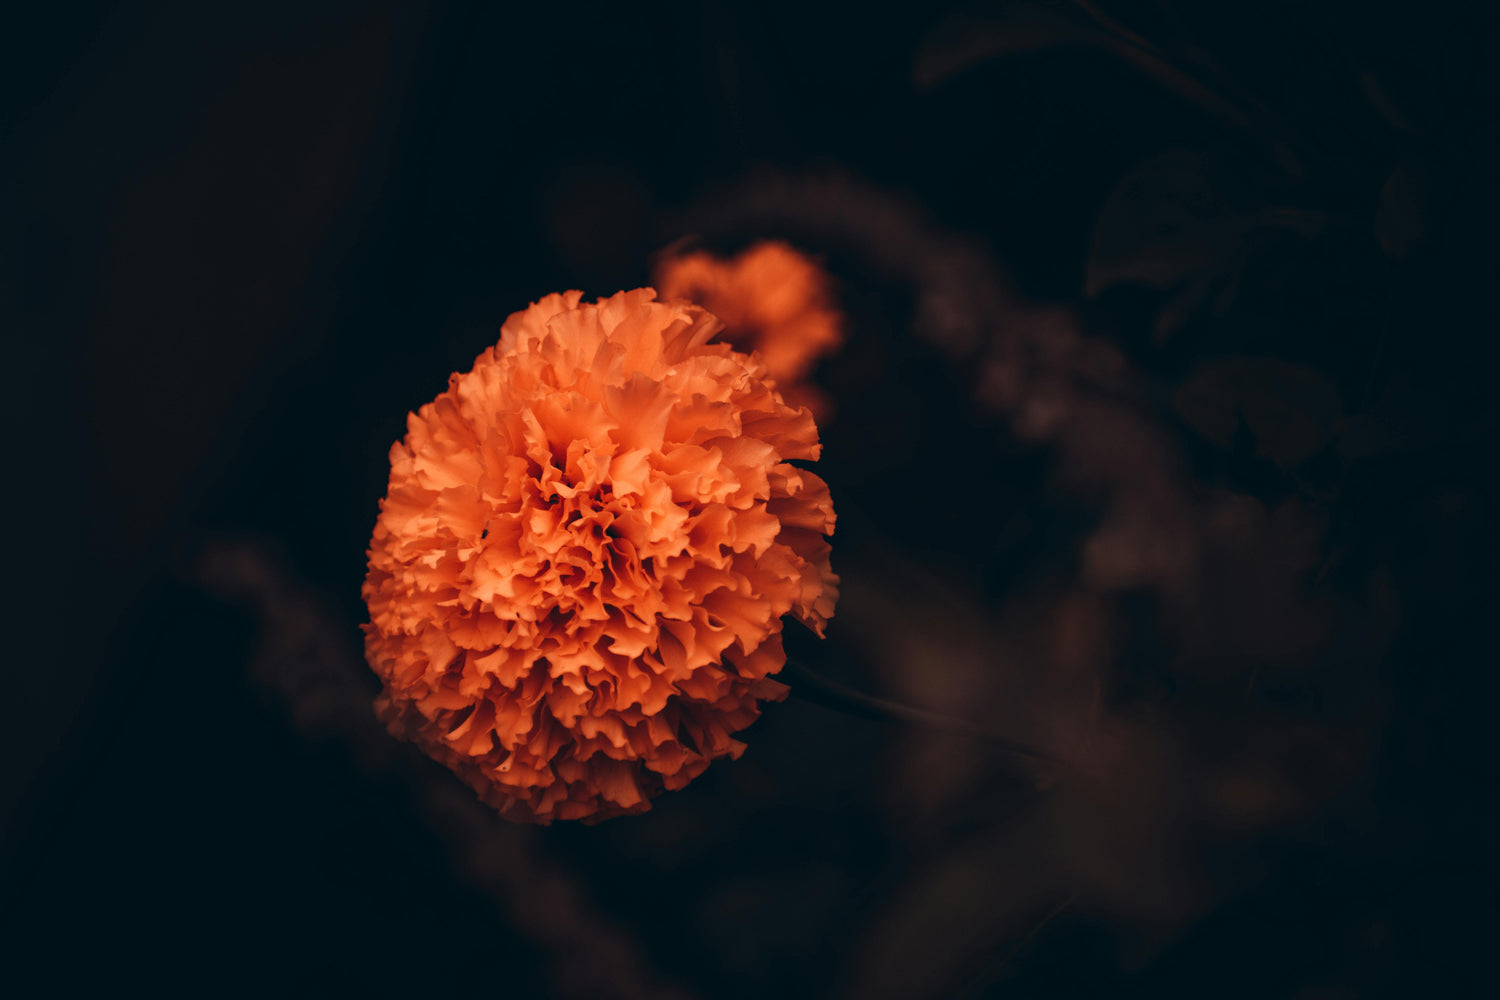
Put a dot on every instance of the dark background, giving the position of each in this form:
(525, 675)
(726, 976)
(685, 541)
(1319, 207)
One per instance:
(1163, 440)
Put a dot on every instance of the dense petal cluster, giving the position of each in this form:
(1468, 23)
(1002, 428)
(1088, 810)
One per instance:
(579, 573)
(773, 300)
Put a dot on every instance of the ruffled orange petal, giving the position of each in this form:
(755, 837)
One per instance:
(582, 562)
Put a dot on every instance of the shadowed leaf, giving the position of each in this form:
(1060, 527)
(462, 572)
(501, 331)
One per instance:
(963, 42)
(1401, 220)
(1179, 214)
(1189, 222)
(1292, 410)
(1165, 222)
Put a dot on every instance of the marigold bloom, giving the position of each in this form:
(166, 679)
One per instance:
(578, 577)
(772, 299)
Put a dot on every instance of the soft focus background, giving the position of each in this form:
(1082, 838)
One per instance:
(1163, 440)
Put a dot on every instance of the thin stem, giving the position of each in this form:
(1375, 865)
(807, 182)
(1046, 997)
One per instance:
(981, 985)
(819, 690)
(1110, 24)
(1223, 96)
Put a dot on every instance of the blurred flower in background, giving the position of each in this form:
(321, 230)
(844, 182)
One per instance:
(772, 299)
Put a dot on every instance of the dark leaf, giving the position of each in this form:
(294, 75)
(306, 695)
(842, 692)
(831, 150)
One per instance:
(1292, 410)
(1387, 108)
(1189, 222)
(1399, 422)
(1401, 221)
(1167, 221)
(961, 42)
(1177, 311)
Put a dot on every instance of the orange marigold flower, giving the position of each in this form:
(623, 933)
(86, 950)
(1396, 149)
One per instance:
(578, 577)
(772, 299)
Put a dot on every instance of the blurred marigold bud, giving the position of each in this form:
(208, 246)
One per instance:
(772, 299)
